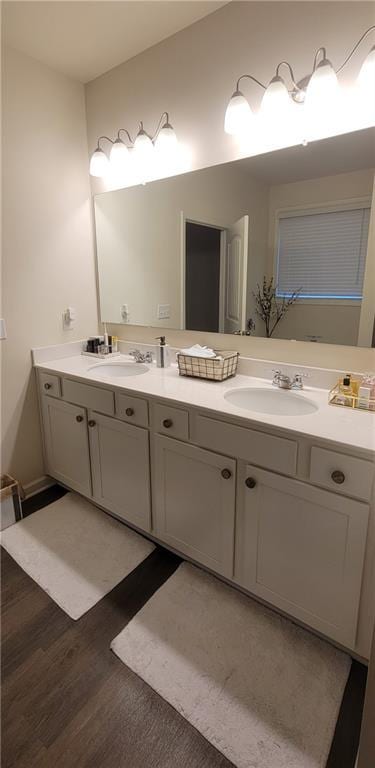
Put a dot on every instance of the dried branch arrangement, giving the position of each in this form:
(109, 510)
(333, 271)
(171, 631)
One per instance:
(269, 308)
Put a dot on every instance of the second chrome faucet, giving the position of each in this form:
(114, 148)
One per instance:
(283, 381)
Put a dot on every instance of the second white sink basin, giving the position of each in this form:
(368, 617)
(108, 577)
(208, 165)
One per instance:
(116, 370)
(278, 402)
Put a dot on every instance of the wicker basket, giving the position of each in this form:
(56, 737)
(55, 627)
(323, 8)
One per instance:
(213, 368)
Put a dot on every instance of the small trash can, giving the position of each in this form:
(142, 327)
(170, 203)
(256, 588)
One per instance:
(10, 502)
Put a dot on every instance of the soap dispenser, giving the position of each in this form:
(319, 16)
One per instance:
(162, 353)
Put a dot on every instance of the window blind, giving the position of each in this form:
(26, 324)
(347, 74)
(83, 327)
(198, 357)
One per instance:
(323, 254)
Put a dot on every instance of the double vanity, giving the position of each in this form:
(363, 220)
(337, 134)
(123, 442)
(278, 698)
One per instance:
(271, 489)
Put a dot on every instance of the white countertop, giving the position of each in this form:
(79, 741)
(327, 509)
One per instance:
(346, 427)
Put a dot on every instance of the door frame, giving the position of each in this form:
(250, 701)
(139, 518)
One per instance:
(184, 219)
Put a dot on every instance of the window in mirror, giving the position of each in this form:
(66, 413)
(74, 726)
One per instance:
(322, 255)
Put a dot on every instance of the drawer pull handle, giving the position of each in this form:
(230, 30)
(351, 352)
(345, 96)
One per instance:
(47, 385)
(226, 474)
(250, 482)
(79, 419)
(92, 423)
(129, 411)
(338, 477)
(167, 423)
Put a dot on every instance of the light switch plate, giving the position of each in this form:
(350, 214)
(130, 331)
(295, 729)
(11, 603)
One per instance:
(164, 311)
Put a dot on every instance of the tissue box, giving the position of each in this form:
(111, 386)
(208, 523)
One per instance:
(213, 368)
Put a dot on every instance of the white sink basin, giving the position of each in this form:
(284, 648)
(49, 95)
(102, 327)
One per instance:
(279, 402)
(117, 370)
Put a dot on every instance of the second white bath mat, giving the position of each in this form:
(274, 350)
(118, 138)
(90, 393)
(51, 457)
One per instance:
(263, 691)
(75, 552)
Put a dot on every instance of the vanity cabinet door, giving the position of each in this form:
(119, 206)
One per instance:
(194, 502)
(120, 468)
(302, 549)
(66, 444)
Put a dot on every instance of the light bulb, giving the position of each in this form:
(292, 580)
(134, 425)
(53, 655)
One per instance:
(99, 163)
(323, 88)
(238, 115)
(366, 77)
(276, 102)
(166, 142)
(143, 146)
(119, 153)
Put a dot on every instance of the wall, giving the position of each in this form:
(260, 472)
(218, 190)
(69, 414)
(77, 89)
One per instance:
(48, 259)
(367, 320)
(338, 322)
(193, 73)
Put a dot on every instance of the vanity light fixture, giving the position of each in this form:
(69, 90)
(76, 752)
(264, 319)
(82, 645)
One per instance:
(319, 89)
(143, 148)
(99, 162)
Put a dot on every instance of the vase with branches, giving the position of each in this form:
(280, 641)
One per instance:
(269, 307)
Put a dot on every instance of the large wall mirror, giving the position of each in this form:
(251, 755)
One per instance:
(274, 245)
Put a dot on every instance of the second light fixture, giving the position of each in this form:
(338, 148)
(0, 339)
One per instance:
(142, 150)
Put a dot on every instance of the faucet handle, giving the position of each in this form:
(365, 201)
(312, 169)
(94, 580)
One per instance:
(297, 382)
(276, 378)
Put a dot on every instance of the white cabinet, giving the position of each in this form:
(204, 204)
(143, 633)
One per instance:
(120, 468)
(66, 444)
(298, 544)
(194, 502)
(302, 549)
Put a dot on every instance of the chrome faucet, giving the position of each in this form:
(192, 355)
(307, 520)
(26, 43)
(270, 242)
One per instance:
(141, 357)
(283, 381)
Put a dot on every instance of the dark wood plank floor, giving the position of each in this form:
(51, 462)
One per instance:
(69, 702)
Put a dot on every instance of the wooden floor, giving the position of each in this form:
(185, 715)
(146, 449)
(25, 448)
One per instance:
(68, 701)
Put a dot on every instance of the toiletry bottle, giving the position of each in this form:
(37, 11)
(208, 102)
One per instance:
(346, 391)
(162, 353)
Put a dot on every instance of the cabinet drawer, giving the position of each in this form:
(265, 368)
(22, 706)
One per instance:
(131, 409)
(97, 399)
(342, 474)
(50, 384)
(170, 421)
(277, 453)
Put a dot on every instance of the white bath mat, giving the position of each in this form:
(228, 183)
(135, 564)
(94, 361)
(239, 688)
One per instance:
(74, 551)
(263, 691)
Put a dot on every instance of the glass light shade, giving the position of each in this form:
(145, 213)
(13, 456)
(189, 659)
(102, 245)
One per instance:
(366, 77)
(276, 100)
(119, 153)
(238, 115)
(99, 163)
(323, 88)
(143, 147)
(166, 142)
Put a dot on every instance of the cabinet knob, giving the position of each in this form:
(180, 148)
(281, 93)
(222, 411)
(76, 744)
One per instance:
(250, 482)
(92, 423)
(338, 477)
(79, 418)
(226, 474)
(47, 385)
(129, 411)
(167, 423)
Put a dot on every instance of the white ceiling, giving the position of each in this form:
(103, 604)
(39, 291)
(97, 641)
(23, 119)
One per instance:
(84, 39)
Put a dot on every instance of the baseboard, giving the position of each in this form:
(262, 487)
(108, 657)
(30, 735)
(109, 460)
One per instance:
(36, 486)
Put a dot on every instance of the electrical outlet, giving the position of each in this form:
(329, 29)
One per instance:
(124, 312)
(164, 311)
(69, 318)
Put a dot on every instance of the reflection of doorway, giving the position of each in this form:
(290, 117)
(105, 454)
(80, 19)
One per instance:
(214, 276)
(202, 277)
